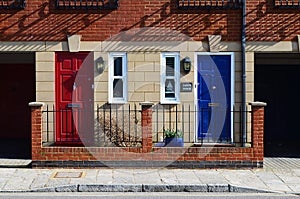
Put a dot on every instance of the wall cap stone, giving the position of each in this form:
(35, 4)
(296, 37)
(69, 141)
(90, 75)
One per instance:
(214, 43)
(74, 43)
(258, 103)
(37, 104)
(146, 103)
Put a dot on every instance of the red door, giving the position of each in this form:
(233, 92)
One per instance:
(74, 98)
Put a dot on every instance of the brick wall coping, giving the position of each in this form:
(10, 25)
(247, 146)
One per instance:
(37, 104)
(258, 103)
(146, 103)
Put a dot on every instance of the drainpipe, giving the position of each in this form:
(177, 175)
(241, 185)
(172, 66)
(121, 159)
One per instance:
(244, 107)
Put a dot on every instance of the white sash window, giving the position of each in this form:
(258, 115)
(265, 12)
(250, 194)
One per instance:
(117, 78)
(170, 78)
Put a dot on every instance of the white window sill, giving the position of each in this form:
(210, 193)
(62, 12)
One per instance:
(117, 102)
(169, 102)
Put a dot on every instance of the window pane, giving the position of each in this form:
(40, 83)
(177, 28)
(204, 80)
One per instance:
(118, 66)
(170, 88)
(170, 66)
(118, 88)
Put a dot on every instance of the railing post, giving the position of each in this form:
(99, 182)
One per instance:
(36, 128)
(146, 126)
(258, 129)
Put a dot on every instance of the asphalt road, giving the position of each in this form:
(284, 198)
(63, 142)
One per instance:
(144, 196)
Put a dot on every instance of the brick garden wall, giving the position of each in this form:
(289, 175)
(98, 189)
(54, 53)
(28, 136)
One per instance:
(148, 156)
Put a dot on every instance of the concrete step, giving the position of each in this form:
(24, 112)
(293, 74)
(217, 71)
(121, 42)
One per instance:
(281, 163)
(14, 163)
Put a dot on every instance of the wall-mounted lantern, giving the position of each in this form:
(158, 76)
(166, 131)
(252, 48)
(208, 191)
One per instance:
(187, 64)
(100, 66)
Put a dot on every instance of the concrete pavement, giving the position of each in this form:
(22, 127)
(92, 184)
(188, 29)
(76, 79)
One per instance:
(282, 176)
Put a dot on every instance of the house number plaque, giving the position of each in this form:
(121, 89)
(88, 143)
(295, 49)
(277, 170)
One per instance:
(186, 87)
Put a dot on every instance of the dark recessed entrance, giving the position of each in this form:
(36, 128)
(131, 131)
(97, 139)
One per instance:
(277, 82)
(18, 89)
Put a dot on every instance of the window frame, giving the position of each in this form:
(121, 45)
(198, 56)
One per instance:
(208, 4)
(79, 5)
(20, 4)
(163, 77)
(112, 77)
(280, 4)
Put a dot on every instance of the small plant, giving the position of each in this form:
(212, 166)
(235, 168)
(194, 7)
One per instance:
(171, 133)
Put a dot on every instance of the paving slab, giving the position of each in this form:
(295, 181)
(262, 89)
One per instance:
(187, 177)
(123, 176)
(41, 180)
(57, 182)
(295, 188)
(272, 180)
(243, 178)
(105, 176)
(88, 177)
(211, 176)
(168, 176)
(150, 180)
(146, 176)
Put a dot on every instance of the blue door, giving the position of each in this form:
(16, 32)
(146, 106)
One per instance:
(214, 98)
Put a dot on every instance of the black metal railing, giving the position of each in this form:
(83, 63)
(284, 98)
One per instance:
(12, 4)
(187, 119)
(209, 4)
(61, 126)
(120, 125)
(287, 3)
(108, 125)
(87, 4)
(168, 117)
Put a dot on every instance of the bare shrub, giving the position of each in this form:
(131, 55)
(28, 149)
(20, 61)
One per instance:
(121, 129)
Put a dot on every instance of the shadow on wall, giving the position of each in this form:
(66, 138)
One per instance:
(42, 21)
(267, 22)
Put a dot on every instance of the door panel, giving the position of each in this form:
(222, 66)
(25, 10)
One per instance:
(74, 97)
(214, 98)
(67, 89)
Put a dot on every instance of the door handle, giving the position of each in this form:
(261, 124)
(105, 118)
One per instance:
(73, 105)
(213, 104)
(74, 86)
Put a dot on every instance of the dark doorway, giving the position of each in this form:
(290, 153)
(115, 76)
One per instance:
(18, 89)
(277, 83)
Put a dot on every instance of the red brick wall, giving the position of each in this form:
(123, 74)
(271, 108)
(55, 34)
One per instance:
(147, 128)
(258, 132)
(36, 131)
(41, 21)
(266, 23)
(217, 154)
